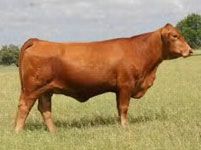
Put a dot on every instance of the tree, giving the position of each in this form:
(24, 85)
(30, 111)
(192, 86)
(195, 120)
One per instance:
(9, 55)
(190, 28)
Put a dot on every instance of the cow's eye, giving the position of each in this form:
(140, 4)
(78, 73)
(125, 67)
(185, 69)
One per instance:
(175, 36)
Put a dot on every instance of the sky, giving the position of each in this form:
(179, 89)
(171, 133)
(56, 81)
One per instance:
(87, 20)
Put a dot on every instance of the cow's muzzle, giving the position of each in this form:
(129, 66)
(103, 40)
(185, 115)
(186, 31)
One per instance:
(188, 53)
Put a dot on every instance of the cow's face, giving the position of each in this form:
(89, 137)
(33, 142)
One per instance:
(174, 44)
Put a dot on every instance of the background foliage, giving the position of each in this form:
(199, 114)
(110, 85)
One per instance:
(190, 28)
(9, 54)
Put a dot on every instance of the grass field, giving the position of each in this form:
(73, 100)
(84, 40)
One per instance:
(167, 117)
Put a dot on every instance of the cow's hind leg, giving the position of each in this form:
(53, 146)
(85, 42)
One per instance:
(44, 106)
(25, 104)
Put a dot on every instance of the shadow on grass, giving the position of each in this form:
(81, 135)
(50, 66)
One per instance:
(97, 121)
(87, 122)
(151, 117)
(35, 126)
(199, 54)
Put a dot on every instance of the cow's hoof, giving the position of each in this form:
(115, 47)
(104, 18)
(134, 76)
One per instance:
(124, 124)
(18, 130)
(53, 130)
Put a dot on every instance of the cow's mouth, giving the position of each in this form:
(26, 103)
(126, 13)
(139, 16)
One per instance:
(174, 55)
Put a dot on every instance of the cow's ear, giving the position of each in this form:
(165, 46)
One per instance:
(165, 29)
(165, 32)
(168, 25)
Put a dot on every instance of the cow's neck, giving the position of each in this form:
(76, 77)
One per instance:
(150, 50)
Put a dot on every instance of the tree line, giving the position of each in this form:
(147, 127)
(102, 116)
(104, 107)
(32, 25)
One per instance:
(9, 54)
(190, 28)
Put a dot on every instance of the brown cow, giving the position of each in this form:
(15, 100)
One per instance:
(125, 66)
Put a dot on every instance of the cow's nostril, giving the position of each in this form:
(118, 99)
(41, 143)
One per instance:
(191, 51)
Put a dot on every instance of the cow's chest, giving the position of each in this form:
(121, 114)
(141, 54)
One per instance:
(143, 83)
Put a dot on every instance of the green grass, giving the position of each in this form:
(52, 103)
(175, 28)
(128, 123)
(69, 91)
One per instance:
(167, 117)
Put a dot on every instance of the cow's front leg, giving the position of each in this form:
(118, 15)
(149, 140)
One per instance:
(123, 99)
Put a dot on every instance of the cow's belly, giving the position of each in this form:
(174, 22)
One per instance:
(83, 93)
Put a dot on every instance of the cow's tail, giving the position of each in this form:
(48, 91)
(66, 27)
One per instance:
(26, 45)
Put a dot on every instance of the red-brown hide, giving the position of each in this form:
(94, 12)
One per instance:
(125, 66)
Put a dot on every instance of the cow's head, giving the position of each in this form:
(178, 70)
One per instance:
(174, 44)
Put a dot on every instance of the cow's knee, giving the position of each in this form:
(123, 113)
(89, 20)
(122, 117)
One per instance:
(123, 109)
